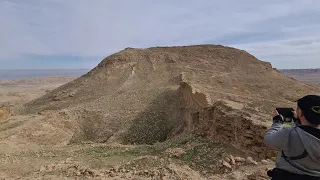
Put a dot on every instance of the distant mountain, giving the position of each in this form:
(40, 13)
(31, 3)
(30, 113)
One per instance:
(35, 73)
(310, 76)
(300, 71)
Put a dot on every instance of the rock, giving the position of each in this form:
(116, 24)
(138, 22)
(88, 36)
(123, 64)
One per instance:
(78, 173)
(95, 173)
(273, 158)
(249, 160)
(68, 161)
(235, 175)
(220, 165)
(270, 161)
(262, 156)
(51, 167)
(176, 152)
(270, 154)
(112, 174)
(258, 175)
(43, 169)
(59, 166)
(57, 99)
(227, 159)
(239, 159)
(127, 176)
(233, 162)
(226, 164)
(252, 177)
(265, 162)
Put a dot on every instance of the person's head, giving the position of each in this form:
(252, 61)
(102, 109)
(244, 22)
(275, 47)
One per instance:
(308, 110)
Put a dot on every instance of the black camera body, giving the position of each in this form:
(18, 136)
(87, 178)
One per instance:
(287, 114)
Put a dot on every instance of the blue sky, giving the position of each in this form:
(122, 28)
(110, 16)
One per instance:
(72, 34)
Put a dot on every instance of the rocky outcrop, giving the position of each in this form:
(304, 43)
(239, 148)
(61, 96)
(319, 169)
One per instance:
(222, 123)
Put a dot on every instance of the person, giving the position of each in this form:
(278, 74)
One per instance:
(300, 144)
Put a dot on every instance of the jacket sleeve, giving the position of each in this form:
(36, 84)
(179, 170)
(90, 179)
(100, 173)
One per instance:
(277, 136)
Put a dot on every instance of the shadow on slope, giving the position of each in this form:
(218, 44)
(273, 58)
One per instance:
(159, 121)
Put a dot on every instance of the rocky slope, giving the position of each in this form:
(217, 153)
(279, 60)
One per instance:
(150, 95)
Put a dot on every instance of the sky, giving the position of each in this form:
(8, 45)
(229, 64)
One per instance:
(78, 34)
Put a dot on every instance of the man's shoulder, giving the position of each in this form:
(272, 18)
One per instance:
(311, 130)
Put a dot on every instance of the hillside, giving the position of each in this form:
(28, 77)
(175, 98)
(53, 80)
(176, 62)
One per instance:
(161, 88)
(162, 112)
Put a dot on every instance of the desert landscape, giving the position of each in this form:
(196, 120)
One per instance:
(310, 76)
(187, 112)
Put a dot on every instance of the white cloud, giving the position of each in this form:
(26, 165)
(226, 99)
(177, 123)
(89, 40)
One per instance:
(100, 27)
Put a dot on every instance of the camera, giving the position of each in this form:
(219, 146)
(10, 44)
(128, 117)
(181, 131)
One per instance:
(287, 114)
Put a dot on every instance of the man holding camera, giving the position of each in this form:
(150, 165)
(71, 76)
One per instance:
(300, 144)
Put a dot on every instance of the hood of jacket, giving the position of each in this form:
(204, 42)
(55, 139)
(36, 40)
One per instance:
(310, 138)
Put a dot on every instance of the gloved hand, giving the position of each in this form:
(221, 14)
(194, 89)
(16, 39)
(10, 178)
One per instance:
(278, 119)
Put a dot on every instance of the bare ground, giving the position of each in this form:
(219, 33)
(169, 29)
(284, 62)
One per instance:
(104, 161)
(74, 131)
(28, 149)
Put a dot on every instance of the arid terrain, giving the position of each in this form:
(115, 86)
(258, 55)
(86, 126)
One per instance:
(311, 76)
(193, 112)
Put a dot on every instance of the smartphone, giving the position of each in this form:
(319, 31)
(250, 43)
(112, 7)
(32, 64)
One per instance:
(287, 113)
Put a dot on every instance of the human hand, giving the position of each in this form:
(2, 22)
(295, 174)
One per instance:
(278, 118)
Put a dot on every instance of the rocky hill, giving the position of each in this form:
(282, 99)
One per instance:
(151, 95)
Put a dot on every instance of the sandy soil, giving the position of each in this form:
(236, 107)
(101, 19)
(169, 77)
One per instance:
(19, 91)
